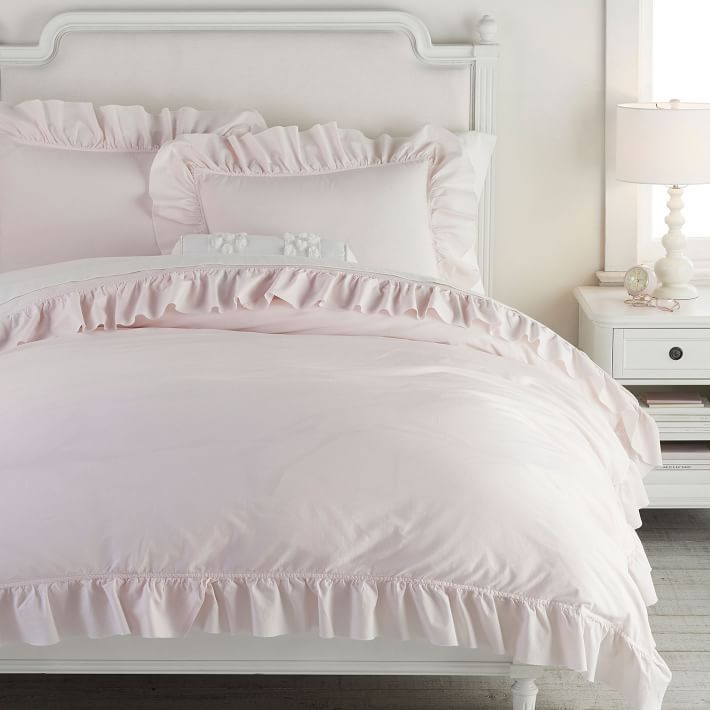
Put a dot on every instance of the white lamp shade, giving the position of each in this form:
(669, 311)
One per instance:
(663, 143)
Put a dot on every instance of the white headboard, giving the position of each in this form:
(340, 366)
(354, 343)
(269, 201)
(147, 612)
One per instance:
(376, 70)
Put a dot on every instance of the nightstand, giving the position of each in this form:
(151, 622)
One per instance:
(644, 348)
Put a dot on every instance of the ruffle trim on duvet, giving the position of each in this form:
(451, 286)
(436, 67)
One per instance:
(277, 151)
(120, 301)
(532, 631)
(81, 126)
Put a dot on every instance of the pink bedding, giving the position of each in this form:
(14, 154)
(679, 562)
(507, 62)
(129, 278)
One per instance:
(282, 448)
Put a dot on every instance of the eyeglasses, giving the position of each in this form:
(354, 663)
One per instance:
(646, 301)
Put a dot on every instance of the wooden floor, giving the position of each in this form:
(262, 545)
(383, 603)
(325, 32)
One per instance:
(678, 545)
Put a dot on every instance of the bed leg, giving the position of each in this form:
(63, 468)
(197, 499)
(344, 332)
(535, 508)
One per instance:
(524, 694)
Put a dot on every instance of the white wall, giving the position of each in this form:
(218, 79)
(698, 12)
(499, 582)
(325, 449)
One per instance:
(550, 154)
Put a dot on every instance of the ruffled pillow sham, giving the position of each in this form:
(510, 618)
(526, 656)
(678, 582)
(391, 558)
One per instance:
(303, 245)
(74, 178)
(402, 204)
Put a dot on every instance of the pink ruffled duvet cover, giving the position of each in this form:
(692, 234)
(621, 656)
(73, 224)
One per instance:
(281, 448)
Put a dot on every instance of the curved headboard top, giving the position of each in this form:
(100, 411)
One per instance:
(376, 70)
(254, 21)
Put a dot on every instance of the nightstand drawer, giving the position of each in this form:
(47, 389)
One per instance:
(661, 353)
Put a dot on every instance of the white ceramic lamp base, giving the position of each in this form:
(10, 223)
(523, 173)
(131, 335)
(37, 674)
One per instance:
(675, 270)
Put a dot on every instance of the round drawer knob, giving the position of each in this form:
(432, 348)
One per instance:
(675, 353)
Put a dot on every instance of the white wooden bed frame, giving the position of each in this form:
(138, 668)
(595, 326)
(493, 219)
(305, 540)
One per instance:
(22, 70)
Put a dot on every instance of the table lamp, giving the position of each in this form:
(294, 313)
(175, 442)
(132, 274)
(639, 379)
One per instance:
(666, 144)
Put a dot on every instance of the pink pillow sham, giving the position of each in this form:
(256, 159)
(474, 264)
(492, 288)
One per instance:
(402, 204)
(74, 178)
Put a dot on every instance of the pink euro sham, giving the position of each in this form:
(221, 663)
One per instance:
(74, 177)
(406, 204)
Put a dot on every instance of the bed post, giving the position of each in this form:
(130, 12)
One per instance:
(483, 118)
(524, 687)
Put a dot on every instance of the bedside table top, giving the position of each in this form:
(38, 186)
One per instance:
(605, 305)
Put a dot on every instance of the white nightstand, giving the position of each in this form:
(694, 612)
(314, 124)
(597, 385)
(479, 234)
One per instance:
(652, 349)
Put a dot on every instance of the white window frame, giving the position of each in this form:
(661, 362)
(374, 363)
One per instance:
(628, 238)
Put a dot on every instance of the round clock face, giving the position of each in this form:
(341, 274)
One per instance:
(636, 280)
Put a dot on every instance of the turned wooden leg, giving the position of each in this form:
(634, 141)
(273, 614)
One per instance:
(524, 694)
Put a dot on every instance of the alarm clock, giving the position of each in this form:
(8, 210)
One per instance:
(640, 281)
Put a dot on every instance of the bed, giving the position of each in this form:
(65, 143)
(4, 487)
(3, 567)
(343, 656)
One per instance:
(227, 462)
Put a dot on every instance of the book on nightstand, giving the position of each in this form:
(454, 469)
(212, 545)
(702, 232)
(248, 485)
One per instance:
(676, 407)
(685, 455)
(656, 400)
(679, 416)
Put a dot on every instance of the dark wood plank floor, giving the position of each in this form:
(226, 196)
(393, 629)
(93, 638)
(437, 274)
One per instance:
(678, 544)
